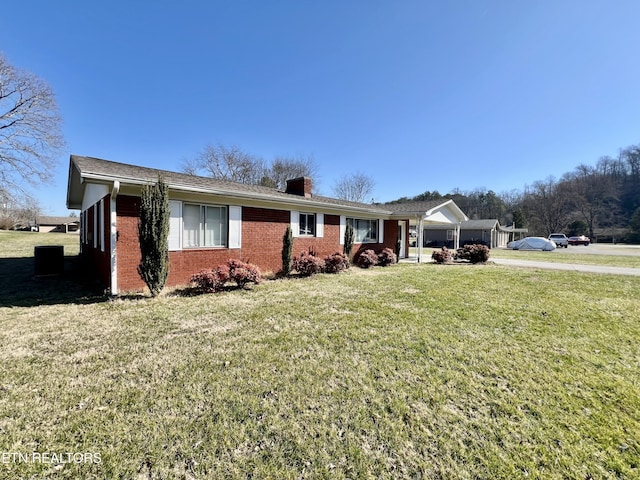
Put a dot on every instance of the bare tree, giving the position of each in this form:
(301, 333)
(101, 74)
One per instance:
(30, 130)
(18, 211)
(227, 163)
(233, 164)
(286, 168)
(593, 195)
(548, 205)
(356, 187)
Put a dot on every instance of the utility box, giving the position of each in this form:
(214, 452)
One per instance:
(49, 259)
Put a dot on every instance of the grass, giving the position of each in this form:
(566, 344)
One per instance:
(411, 371)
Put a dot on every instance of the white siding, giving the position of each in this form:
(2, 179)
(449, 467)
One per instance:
(235, 227)
(381, 230)
(101, 224)
(295, 223)
(92, 193)
(319, 225)
(175, 225)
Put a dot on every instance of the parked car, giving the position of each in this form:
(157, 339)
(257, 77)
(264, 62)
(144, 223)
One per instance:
(532, 243)
(560, 239)
(579, 240)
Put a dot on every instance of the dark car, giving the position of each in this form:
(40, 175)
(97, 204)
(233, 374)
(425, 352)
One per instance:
(579, 240)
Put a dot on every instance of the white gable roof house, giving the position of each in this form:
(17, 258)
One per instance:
(432, 218)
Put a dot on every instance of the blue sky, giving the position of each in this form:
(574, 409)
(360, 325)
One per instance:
(419, 95)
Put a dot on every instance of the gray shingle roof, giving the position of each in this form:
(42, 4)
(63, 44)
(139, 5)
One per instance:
(45, 220)
(479, 224)
(415, 207)
(106, 170)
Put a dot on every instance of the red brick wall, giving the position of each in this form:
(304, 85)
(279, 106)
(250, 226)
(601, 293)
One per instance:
(127, 245)
(390, 238)
(262, 232)
(95, 259)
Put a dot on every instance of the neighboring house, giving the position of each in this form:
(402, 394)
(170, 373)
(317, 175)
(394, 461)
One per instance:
(213, 220)
(488, 232)
(58, 224)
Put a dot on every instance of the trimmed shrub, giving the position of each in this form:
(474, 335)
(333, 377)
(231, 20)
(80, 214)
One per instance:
(243, 273)
(308, 264)
(287, 251)
(442, 256)
(475, 253)
(367, 259)
(211, 280)
(336, 263)
(387, 257)
(153, 236)
(348, 240)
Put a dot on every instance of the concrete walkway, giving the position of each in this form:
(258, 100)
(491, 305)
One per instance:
(568, 266)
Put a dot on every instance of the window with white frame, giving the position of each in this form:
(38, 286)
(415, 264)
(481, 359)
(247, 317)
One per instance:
(307, 224)
(364, 230)
(204, 226)
(449, 235)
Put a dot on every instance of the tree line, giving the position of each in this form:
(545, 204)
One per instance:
(600, 201)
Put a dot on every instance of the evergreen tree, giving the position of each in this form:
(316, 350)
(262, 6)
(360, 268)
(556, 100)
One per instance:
(348, 240)
(287, 251)
(153, 235)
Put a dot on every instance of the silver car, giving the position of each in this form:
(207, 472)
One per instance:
(560, 239)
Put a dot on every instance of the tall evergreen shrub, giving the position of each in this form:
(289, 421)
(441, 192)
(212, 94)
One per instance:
(348, 240)
(287, 251)
(153, 235)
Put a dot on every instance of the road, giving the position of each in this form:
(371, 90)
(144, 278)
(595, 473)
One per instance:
(594, 249)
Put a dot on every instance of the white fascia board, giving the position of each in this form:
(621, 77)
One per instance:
(283, 204)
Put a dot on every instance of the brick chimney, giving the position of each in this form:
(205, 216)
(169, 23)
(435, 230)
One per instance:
(299, 186)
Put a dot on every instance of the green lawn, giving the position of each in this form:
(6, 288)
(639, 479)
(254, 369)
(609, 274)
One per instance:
(410, 371)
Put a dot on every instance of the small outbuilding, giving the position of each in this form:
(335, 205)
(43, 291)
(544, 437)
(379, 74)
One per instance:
(488, 232)
(58, 224)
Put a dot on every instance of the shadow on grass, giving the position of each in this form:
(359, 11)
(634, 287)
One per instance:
(19, 287)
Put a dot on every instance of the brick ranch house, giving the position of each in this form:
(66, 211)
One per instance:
(212, 221)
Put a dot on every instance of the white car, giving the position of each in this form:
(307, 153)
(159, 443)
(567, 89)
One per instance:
(532, 243)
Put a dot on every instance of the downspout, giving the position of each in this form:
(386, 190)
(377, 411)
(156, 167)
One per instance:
(114, 236)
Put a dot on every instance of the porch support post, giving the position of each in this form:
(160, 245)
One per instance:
(113, 217)
(420, 237)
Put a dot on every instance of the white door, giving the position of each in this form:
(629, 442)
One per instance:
(403, 238)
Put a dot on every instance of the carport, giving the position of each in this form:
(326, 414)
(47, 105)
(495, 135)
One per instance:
(439, 219)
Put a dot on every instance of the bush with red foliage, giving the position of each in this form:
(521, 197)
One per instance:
(367, 259)
(475, 253)
(210, 280)
(243, 273)
(442, 256)
(387, 257)
(336, 263)
(308, 264)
